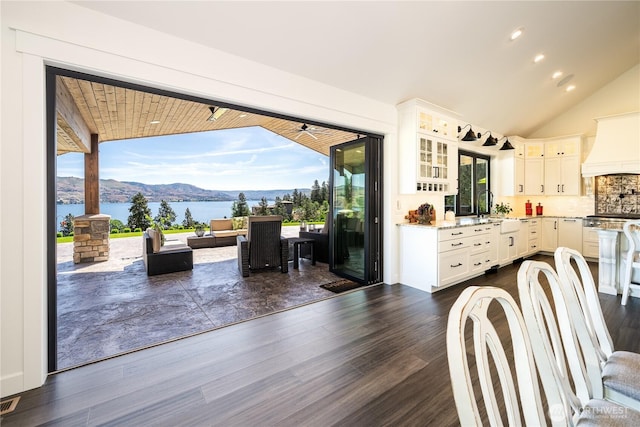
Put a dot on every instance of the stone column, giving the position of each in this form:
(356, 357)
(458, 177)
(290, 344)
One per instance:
(91, 238)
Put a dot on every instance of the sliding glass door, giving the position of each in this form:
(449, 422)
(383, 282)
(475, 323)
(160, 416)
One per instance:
(355, 206)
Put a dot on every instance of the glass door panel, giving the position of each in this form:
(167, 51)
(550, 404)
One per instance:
(355, 205)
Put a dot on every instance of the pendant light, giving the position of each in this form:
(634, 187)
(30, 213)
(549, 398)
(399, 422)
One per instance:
(470, 136)
(507, 145)
(491, 140)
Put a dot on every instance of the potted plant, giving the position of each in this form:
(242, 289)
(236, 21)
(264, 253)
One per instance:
(199, 230)
(502, 209)
(425, 213)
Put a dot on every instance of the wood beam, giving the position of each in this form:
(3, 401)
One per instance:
(92, 179)
(73, 132)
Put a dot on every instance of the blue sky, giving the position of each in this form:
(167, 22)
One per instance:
(232, 159)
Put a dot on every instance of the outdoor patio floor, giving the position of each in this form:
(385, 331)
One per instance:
(113, 307)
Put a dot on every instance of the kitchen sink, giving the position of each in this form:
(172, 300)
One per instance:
(509, 225)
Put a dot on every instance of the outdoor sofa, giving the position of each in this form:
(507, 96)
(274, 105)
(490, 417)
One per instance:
(223, 233)
(168, 258)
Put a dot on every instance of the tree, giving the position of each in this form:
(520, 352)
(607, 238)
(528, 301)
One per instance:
(324, 191)
(166, 215)
(66, 225)
(240, 207)
(263, 207)
(316, 194)
(139, 213)
(188, 219)
(116, 224)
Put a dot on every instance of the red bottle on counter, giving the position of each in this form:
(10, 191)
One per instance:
(528, 209)
(539, 209)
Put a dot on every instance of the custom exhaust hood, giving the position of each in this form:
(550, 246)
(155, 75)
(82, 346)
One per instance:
(616, 149)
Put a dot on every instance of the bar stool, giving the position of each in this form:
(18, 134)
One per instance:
(631, 230)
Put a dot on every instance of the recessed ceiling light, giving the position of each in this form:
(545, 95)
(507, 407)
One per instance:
(539, 57)
(556, 75)
(570, 88)
(154, 122)
(517, 33)
(242, 115)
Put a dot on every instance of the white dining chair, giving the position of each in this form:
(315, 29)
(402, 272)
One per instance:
(473, 304)
(558, 335)
(631, 230)
(619, 370)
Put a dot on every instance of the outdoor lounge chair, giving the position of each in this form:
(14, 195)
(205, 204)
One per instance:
(263, 247)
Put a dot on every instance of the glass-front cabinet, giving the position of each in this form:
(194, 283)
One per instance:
(427, 138)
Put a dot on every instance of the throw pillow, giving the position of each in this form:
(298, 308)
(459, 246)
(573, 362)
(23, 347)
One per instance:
(236, 223)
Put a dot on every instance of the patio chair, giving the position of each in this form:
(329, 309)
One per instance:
(263, 247)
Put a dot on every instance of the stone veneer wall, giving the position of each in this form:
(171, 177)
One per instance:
(91, 238)
(618, 194)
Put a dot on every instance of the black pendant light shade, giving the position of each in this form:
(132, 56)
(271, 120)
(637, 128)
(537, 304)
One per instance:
(470, 136)
(507, 146)
(491, 140)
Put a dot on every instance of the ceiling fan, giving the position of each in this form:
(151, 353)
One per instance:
(309, 130)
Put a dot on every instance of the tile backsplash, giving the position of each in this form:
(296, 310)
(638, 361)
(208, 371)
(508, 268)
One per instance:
(618, 194)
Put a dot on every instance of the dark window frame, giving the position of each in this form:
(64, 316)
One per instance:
(452, 202)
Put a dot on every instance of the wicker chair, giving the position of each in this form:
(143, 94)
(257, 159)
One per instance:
(263, 247)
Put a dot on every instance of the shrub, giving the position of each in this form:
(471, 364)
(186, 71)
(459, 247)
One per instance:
(59, 234)
(126, 230)
(137, 230)
(115, 231)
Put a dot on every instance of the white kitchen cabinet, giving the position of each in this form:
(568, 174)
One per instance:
(507, 170)
(528, 237)
(570, 233)
(508, 247)
(428, 147)
(432, 258)
(534, 176)
(549, 234)
(590, 242)
(566, 232)
(562, 166)
(533, 149)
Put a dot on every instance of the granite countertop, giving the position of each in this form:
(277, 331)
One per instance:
(471, 221)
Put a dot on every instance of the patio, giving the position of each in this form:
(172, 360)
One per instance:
(113, 307)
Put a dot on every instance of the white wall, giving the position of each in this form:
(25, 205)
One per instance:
(621, 95)
(69, 36)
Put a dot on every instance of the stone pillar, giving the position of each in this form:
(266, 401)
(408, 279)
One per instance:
(91, 238)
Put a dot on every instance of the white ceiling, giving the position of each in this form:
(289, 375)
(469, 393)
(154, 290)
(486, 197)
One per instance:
(455, 54)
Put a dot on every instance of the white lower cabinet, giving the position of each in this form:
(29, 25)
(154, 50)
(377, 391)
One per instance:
(549, 234)
(590, 242)
(432, 258)
(508, 247)
(570, 233)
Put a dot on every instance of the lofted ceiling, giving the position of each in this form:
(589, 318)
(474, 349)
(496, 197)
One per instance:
(455, 54)
(115, 113)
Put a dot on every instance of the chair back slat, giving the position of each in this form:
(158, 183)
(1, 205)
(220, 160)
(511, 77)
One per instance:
(473, 304)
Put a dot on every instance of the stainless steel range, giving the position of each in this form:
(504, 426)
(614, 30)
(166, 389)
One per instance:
(604, 222)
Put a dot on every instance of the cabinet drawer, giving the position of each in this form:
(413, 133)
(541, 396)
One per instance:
(480, 262)
(533, 245)
(454, 233)
(449, 245)
(480, 243)
(591, 249)
(453, 265)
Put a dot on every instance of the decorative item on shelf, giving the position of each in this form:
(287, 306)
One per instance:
(199, 230)
(528, 209)
(539, 209)
(503, 209)
(412, 216)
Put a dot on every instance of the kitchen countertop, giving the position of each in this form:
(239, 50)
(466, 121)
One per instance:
(471, 221)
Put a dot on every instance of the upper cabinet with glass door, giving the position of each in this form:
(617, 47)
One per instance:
(427, 139)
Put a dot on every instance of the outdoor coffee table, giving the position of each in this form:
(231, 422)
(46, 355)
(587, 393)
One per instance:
(297, 241)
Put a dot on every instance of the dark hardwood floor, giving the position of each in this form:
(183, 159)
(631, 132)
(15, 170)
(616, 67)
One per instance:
(372, 357)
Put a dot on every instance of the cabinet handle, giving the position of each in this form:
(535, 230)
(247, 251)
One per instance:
(569, 220)
(457, 244)
(454, 266)
(542, 188)
(477, 229)
(555, 225)
(457, 234)
(563, 188)
(521, 188)
(510, 241)
(534, 232)
(558, 188)
(477, 244)
(487, 243)
(477, 264)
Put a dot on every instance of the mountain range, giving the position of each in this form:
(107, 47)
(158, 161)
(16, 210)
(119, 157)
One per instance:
(71, 190)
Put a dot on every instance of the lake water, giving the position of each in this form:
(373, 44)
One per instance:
(200, 211)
